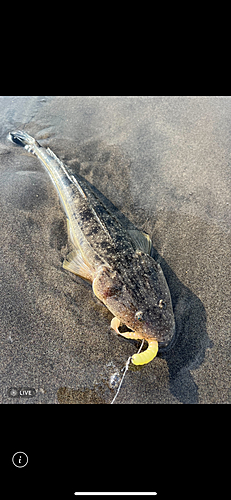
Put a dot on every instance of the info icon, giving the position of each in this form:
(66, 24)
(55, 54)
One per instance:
(20, 459)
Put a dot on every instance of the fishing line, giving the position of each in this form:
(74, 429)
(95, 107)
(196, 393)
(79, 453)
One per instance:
(125, 371)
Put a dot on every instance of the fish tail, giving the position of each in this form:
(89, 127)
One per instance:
(23, 139)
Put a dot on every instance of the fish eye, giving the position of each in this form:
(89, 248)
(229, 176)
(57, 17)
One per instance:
(162, 304)
(139, 315)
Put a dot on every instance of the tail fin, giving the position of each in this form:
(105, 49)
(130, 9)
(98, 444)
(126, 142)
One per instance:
(23, 139)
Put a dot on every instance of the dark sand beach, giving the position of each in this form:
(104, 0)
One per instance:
(165, 163)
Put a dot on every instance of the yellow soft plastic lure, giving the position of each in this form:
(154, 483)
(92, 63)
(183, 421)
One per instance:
(144, 357)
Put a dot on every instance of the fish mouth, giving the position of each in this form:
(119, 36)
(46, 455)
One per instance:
(167, 341)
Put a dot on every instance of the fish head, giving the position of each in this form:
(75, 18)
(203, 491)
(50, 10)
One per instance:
(139, 297)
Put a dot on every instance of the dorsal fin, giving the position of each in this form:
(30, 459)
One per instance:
(141, 240)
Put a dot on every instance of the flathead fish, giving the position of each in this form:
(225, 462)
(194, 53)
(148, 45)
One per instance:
(115, 260)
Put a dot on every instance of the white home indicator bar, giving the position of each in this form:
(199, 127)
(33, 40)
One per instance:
(113, 493)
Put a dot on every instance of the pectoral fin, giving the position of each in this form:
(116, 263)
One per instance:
(75, 264)
(142, 241)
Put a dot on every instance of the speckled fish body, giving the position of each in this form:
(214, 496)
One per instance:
(117, 261)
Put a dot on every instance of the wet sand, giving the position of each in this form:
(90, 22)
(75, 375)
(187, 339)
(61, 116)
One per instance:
(165, 164)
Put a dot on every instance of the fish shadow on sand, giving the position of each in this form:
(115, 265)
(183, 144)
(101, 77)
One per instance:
(191, 340)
